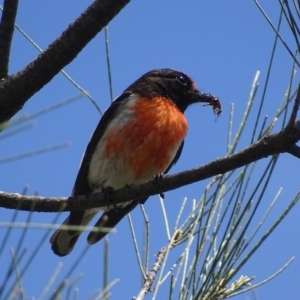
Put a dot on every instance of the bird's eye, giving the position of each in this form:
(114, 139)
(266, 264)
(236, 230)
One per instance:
(182, 80)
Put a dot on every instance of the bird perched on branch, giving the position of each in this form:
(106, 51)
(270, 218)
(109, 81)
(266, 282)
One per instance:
(139, 136)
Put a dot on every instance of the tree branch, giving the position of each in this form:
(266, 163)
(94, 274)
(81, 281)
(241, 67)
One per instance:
(281, 142)
(15, 90)
(7, 26)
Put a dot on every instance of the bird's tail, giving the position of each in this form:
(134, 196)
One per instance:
(63, 240)
(109, 220)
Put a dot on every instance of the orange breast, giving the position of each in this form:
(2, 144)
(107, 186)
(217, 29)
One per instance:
(149, 140)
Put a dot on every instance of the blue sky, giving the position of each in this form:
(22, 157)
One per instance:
(221, 45)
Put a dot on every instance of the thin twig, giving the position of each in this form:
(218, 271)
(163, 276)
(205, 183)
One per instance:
(152, 274)
(108, 64)
(277, 33)
(34, 152)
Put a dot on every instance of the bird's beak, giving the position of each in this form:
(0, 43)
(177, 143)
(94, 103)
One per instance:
(209, 99)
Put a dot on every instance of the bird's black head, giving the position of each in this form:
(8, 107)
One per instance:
(173, 85)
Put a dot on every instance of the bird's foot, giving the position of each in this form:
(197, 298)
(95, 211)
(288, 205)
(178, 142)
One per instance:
(108, 193)
(159, 179)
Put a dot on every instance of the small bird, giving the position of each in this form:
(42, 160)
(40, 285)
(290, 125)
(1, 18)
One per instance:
(139, 136)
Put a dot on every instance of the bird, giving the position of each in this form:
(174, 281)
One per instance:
(140, 136)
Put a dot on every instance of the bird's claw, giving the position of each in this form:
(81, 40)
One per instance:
(159, 179)
(108, 192)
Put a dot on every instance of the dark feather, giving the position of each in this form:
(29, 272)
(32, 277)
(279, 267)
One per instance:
(109, 220)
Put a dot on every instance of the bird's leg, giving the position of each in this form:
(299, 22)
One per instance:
(108, 192)
(159, 178)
